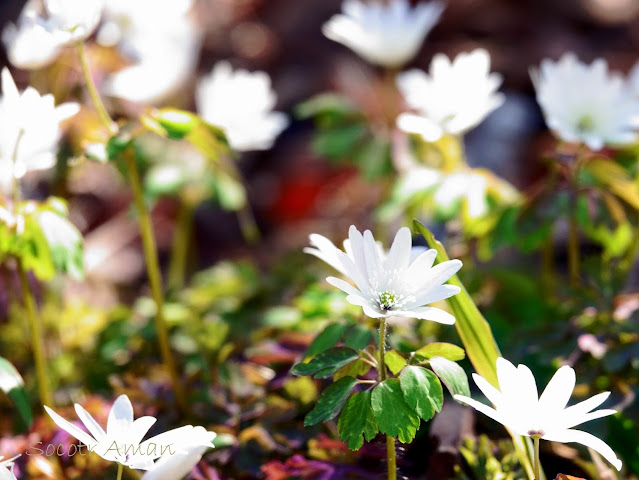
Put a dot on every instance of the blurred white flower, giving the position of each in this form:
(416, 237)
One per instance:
(30, 130)
(519, 407)
(389, 285)
(122, 441)
(73, 21)
(163, 47)
(384, 33)
(4, 473)
(241, 103)
(29, 44)
(180, 463)
(586, 103)
(453, 98)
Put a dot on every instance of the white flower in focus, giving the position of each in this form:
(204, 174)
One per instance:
(29, 44)
(73, 21)
(452, 98)
(519, 407)
(122, 441)
(30, 130)
(390, 285)
(163, 48)
(586, 103)
(241, 103)
(4, 473)
(387, 34)
(180, 463)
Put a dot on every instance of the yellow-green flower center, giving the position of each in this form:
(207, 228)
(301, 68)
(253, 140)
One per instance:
(586, 123)
(387, 300)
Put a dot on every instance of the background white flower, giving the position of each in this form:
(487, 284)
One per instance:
(125, 433)
(163, 47)
(586, 103)
(241, 103)
(519, 407)
(393, 284)
(73, 20)
(29, 44)
(453, 97)
(33, 123)
(7, 464)
(383, 33)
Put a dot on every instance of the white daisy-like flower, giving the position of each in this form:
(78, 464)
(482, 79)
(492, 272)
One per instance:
(164, 47)
(452, 98)
(29, 44)
(241, 103)
(389, 285)
(122, 441)
(7, 464)
(384, 33)
(519, 407)
(73, 21)
(586, 103)
(30, 130)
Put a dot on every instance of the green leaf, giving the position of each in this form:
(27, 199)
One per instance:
(328, 338)
(12, 384)
(394, 361)
(358, 337)
(331, 401)
(441, 349)
(326, 363)
(472, 327)
(358, 368)
(65, 244)
(613, 176)
(325, 103)
(357, 420)
(176, 123)
(392, 415)
(422, 391)
(229, 192)
(453, 376)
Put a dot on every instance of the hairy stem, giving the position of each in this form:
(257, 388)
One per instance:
(155, 277)
(181, 241)
(381, 374)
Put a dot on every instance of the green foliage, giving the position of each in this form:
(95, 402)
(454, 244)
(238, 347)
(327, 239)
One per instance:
(326, 339)
(331, 401)
(440, 349)
(422, 391)
(453, 376)
(485, 460)
(326, 363)
(394, 361)
(357, 421)
(392, 414)
(344, 135)
(11, 384)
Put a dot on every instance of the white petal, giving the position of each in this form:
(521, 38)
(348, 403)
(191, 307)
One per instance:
(399, 254)
(492, 394)
(120, 417)
(139, 429)
(588, 440)
(558, 391)
(573, 415)
(343, 286)
(480, 407)
(71, 429)
(89, 422)
(426, 313)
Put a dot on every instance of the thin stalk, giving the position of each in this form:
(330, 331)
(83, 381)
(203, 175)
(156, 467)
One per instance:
(36, 338)
(155, 277)
(93, 91)
(381, 374)
(548, 263)
(120, 470)
(537, 463)
(15, 185)
(573, 247)
(181, 241)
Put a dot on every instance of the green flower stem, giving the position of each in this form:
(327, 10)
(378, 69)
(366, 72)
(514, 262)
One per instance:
(155, 277)
(181, 241)
(93, 91)
(381, 374)
(573, 248)
(537, 463)
(120, 469)
(36, 338)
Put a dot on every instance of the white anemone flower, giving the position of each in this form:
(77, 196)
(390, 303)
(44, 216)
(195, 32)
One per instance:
(241, 103)
(387, 34)
(73, 21)
(389, 285)
(122, 440)
(452, 98)
(30, 130)
(163, 48)
(7, 464)
(586, 103)
(29, 44)
(519, 407)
